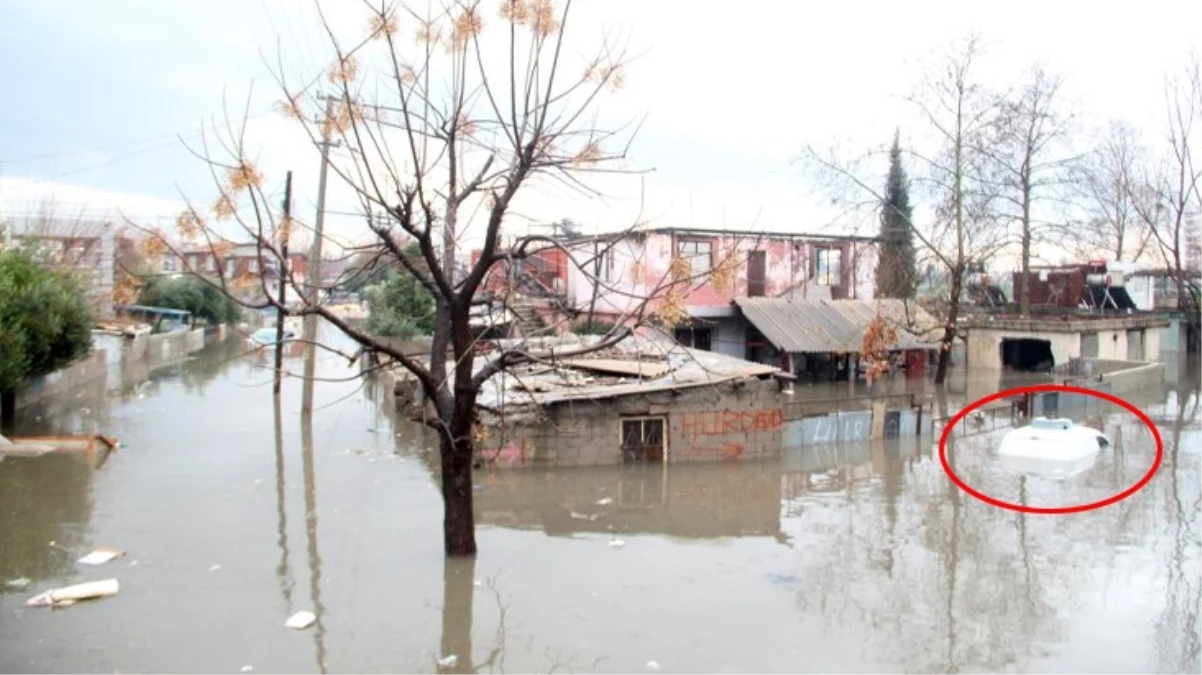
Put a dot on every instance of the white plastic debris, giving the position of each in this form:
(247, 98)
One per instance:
(69, 595)
(101, 555)
(448, 661)
(652, 665)
(301, 620)
(605, 501)
(617, 543)
(590, 517)
(19, 584)
(247, 669)
(214, 568)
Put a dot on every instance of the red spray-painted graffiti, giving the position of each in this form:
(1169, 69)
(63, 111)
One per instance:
(719, 422)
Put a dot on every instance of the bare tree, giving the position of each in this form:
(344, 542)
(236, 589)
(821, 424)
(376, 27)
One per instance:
(444, 134)
(1027, 142)
(1105, 181)
(952, 173)
(1168, 199)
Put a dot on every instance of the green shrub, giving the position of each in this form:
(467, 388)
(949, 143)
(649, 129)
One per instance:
(45, 319)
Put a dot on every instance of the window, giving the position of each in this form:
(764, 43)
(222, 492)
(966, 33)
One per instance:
(210, 264)
(169, 263)
(230, 269)
(193, 261)
(828, 264)
(643, 439)
(699, 253)
(252, 265)
(697, 338)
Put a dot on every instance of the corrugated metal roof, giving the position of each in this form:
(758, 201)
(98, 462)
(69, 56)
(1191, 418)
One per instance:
(823, 326)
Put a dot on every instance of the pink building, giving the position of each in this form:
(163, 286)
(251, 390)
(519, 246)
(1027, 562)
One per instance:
(630, 267)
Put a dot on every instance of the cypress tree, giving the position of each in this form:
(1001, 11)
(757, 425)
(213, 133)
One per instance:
(895, 273)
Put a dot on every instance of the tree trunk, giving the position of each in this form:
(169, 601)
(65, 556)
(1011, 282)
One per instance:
(459, 520)
(949, 330)
(1024, 288)
(458, 593)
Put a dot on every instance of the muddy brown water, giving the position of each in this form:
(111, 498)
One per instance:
(831, 559)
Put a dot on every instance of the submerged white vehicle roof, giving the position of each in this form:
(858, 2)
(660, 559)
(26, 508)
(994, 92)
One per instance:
(1053, 439)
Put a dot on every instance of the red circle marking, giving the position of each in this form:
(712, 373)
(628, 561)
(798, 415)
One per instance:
(947, 468)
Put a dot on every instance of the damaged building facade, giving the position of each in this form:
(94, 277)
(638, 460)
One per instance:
(649, 400)
(608, 277)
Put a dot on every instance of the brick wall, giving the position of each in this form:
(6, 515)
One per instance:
(728, 421)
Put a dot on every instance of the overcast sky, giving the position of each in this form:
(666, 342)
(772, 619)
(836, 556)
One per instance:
(732, 92)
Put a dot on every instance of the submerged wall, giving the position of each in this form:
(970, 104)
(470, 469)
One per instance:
(122, 356)
(750, 419)
(726, 421)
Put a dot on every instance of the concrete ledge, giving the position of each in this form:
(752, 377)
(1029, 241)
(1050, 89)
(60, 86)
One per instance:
(1068, 325)
(1120, 376)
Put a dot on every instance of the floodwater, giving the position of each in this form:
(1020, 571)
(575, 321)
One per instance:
(836, 559)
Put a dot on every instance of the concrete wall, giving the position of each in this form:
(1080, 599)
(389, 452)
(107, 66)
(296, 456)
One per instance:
(63, 380)
(984, 345)
(856, 425)
(1112, 344)
(1172, 338)
(1116, 376)
(722, 422)
(728, 421)
(154, 350)
(114, 363)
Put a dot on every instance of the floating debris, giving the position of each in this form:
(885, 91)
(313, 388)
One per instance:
(247, 669)
(617, 543)
(605, 501)
(214, 568)
(590, 517)
(301, 620)
(448, 661)
(100, 556)
(19, 584)
(69, 595)
(652, 665)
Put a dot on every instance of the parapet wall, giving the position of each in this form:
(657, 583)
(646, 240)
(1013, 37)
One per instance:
(1118, 376)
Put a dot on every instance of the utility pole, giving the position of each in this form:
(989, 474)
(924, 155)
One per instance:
(314, 272)
(285, 228)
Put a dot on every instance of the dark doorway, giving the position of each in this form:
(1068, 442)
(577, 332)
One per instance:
(757, 272)
(1027, 354)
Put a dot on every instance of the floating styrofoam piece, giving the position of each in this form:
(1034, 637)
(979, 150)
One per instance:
(301, 620)
(448, 661)
(101, 555)
(69, 595)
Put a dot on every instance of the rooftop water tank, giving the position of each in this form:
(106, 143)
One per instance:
(1051, 448)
